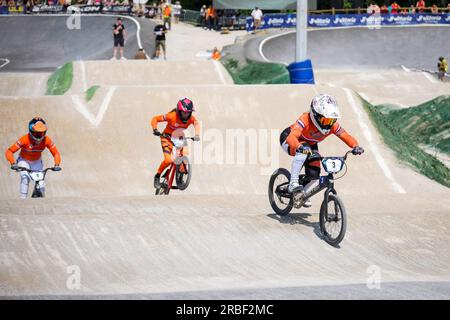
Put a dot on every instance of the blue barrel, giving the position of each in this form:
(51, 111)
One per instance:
(301, 72)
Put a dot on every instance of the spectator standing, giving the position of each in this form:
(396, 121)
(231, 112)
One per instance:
(420, 6)
(142, 4)
(167, 13)
(373, 8)
(160, 41)
(203, 16)
(434, 9)
(384, 9)
(257, 16)
(412, 9)
(395, 8)
(120, 36)
(448, 7)
(442, 68)
(177, 11)
(136, 7)
(211, 18)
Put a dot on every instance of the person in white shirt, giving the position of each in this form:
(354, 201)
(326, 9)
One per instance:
(177, 11)
(257, 16)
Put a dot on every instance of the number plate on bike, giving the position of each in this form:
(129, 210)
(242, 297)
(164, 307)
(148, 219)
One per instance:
(333, 165)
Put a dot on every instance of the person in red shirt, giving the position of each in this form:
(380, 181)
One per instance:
(394, 7)
(420, 5)
(301, 139)
(179, 118)
(31, 147)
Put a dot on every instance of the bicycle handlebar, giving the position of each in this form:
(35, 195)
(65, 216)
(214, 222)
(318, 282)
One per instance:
(168, 136)
(19, 169)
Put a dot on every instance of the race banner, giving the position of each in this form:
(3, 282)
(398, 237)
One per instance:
(84, 9)
(47, 9)
(118, 9)
(349, 20)
(4, 10)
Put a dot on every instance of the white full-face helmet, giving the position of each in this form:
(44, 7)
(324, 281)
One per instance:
(324, 112)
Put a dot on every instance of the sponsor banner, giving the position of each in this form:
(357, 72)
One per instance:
(84, 9)
(117, 9)
(47, 9)
(4, 10)
(350, 20)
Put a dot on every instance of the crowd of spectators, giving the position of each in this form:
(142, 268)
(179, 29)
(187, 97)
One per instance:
(392, 7)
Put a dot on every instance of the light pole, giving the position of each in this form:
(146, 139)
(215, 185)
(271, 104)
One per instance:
(301, 71)
(301, 38)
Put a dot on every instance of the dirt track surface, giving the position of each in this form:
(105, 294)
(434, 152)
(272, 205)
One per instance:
(43, 43)
(363, 48)
(220, 238)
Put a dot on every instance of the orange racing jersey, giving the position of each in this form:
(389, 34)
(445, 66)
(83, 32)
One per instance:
(174, 122)
(304, 130)
(32, 151)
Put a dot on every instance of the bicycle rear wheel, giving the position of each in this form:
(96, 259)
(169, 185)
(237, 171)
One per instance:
(333, 220)
(183, 173)
(280, 199)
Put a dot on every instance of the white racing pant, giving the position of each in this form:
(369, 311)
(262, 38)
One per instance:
(297, 163)
(25, 177)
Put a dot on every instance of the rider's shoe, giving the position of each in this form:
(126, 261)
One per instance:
(156, 183)
(307, 203)
(294, 187)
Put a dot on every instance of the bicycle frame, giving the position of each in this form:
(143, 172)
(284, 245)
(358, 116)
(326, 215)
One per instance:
(171, 176)
(172, 168)
(325, 182)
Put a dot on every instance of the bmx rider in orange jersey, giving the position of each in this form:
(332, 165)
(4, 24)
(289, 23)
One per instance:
(179, 118)
(31, 147)
(301, 139)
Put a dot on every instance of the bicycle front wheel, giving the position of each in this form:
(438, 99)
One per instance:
(280, 199)
(183, 173)
(333, 220)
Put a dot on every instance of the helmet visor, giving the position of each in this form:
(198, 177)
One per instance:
(38, 135)
(326, 122)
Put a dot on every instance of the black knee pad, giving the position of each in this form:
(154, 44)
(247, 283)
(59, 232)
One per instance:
(284, 135)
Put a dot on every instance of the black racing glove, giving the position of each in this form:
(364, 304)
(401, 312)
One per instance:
(14, 166)
(304, 148)
(156, 132)
(358, 150)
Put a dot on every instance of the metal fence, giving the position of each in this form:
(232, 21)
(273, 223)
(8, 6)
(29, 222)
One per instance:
(190, 16)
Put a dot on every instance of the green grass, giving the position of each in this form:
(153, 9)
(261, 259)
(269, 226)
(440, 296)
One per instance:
(61, 80)
(91, 92)
(257, 72)
(403, 131)
(428, 123)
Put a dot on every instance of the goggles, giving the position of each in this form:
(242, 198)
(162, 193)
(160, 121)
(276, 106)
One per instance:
(329, 122)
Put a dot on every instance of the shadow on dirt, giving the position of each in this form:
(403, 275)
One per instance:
(298, 218)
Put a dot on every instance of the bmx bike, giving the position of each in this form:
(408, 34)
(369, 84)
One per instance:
(332, 216)
(179, 170)
(38, 176)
